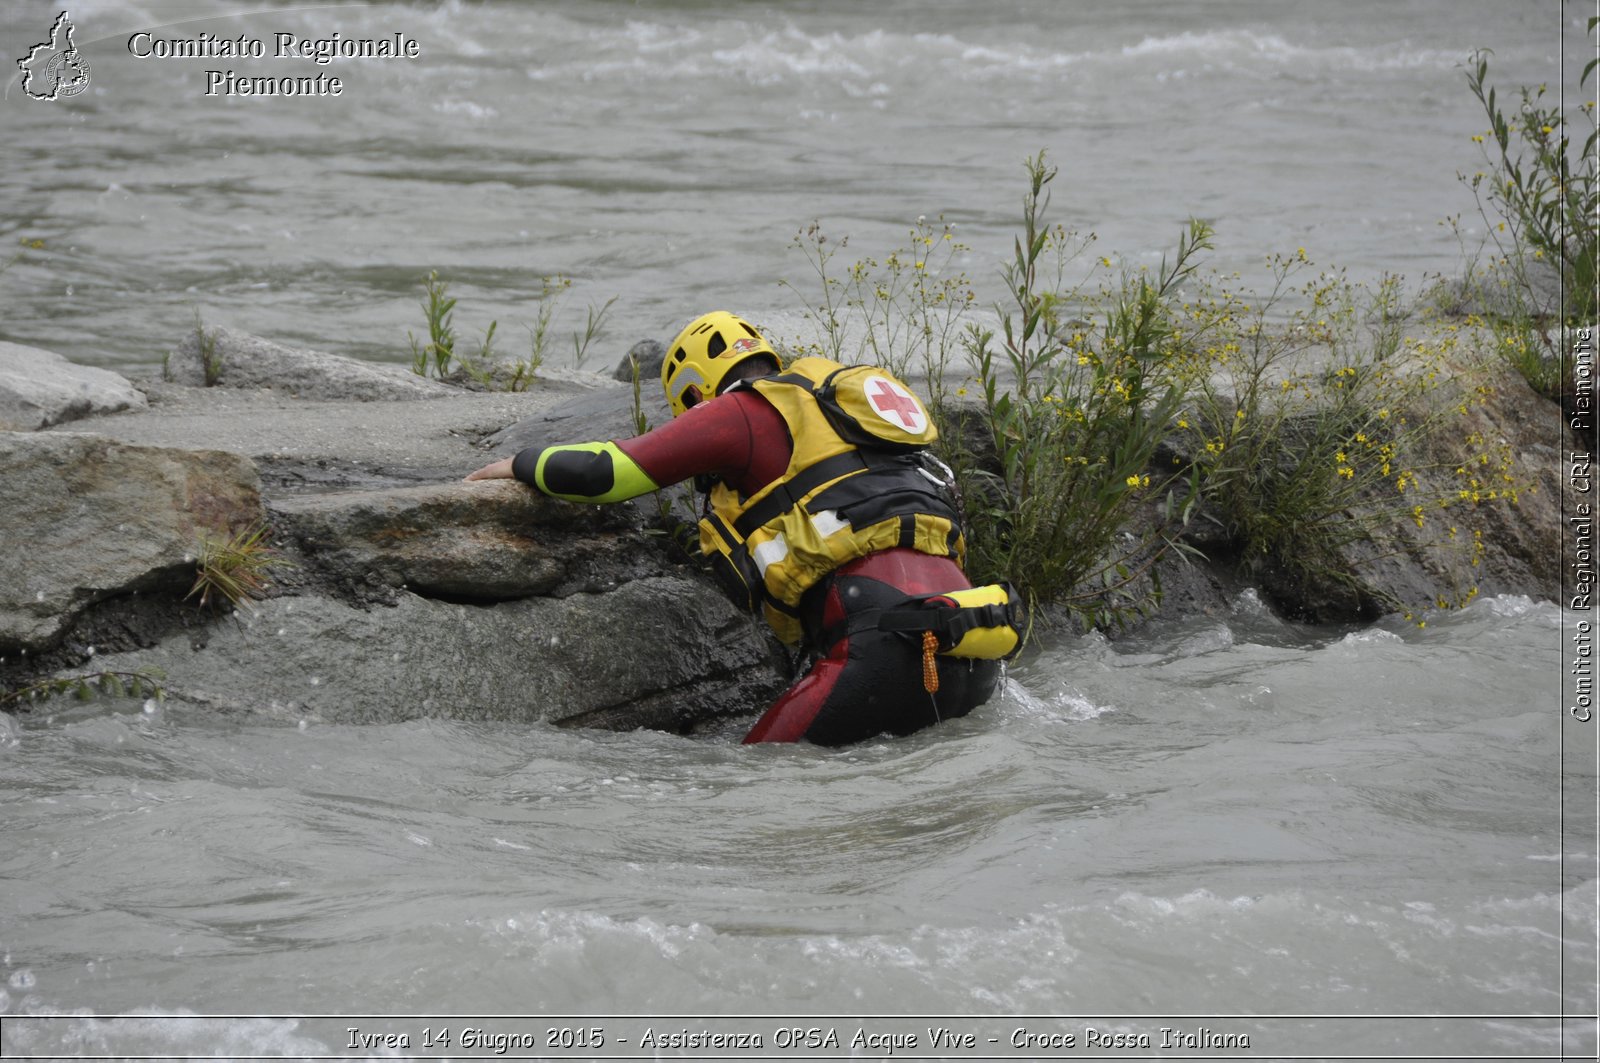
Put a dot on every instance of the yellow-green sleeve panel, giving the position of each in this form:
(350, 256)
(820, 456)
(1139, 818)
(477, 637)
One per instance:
(583, 472)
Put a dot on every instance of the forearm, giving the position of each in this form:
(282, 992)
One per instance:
(582, 472)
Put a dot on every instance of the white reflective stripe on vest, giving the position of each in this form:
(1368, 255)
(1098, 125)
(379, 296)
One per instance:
(827, 522)
(770, 552)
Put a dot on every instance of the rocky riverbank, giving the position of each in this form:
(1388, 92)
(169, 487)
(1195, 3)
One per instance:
(404, 592)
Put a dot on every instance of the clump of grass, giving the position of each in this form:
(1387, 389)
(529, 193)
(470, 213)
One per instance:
(206, 345)
(142, 682)
(676, 518)
(234, 568)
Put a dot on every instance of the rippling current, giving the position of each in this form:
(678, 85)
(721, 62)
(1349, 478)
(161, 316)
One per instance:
(1231, 816)
(666, 152)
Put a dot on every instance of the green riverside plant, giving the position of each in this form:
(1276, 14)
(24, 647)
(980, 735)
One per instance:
(440, 356)
(1539, 197)
(1315, 430)
(435, 355)
(1076, 411)
(1307, 426)
(206, 345)
(1072, 411)
(140, 683)
(234, 568)
(1549, 201)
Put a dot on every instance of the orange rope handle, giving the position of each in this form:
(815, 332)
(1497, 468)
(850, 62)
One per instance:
(930, 667)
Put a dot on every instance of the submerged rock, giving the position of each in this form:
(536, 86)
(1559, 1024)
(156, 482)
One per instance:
(662, 652)
(83, 518)
(39, 388)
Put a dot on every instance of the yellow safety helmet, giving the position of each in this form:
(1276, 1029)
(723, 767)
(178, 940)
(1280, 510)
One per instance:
(705, 352)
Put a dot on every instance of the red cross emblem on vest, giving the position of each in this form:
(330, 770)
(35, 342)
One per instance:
(895, 404)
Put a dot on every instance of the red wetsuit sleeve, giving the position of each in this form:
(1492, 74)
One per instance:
(738, 437)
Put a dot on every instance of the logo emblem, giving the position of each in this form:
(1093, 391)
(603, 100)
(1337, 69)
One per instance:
(744, 346)
(895, 404)
(55, 68)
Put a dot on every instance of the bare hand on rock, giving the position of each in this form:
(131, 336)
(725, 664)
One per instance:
(499, 470)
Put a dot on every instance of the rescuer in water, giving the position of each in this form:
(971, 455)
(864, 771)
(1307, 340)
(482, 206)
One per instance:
(827, 514)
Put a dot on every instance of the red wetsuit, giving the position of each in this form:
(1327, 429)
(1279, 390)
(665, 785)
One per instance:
(863, 684)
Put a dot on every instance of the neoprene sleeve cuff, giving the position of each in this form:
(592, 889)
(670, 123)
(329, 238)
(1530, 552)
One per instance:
(525, 466)
(583, 472)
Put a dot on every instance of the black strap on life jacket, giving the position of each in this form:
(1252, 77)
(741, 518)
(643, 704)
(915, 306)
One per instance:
(914, 615)
(786, 496)
(888, 485)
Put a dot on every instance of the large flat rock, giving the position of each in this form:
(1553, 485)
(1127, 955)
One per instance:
(39, 388)
(83, 518)
(297, 442)
(491, 540)
(221, 357)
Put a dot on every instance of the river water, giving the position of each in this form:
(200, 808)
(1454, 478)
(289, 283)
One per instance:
(1231, 817)
(667, 152)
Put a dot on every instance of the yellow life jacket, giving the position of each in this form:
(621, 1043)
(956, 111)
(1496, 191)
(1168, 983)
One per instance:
(855, 485)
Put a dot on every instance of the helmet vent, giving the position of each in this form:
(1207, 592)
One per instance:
(716, 345)
(746, 326)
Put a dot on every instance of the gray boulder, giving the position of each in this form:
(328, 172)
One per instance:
(224, 358)
(493, 540)
(84, 518)
(663, 652)
(647, 355)
(39, 388)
